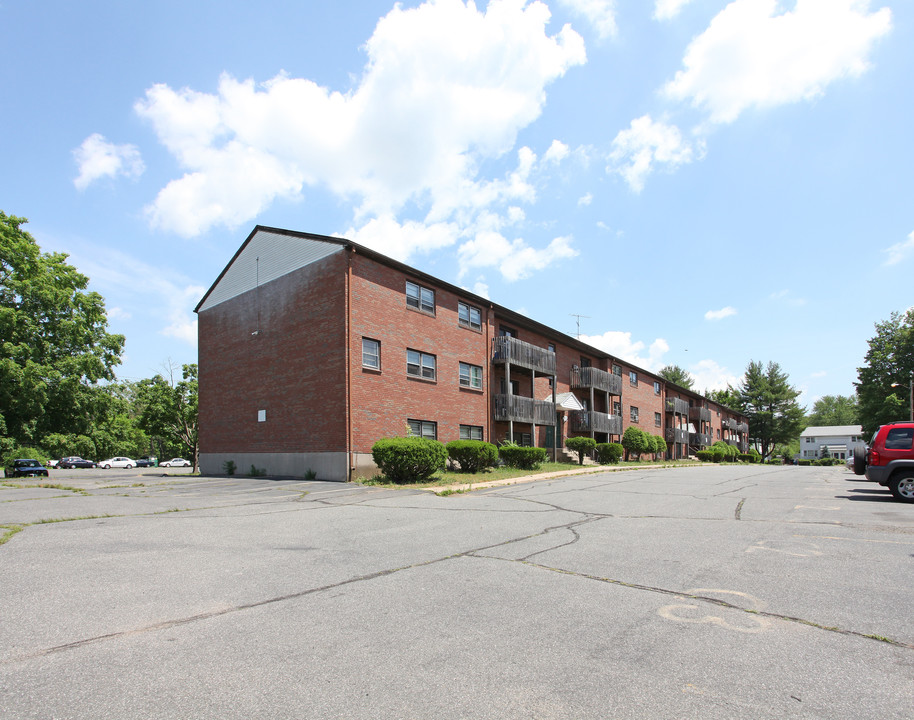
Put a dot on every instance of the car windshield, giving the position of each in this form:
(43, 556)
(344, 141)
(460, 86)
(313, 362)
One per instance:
(28, 463)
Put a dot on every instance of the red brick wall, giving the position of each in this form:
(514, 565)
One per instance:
(382, 402)
(293, 367)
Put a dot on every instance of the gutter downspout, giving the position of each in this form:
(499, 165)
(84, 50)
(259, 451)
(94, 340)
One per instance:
(348, 311)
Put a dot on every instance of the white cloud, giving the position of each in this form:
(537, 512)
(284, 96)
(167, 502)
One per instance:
(117, 313)
(514, 259)
(557, 152)
(445, 87)
(585, 200)
(621, 345)
(98, 158)
(720, 314)
(752, 55)
(708, 375)
(481, 288)
(400, 241)
(601, 14)
(668, 9)
(899, 251)
(645, 144)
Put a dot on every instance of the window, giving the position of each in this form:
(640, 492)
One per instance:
(656, 388)
(423, 428)
(515, 388)
(505, 331)
(617, 408)
(469, 316)
(552, 347)
(470, 376)
(633, 379)
(371, 354)
(718, 433)
(658, 419)
(420, 364)
(617, 371)
(899, 439)
(633, 413)
(585, 362)
(471, 432)
(810, 439)
(420, 298)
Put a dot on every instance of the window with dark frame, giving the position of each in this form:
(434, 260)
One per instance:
(658, 419)
(471, 432)
(371, 354)
(617, 408)
(423, 429)
(470, 376)
(505, 331)
(633, 378)
(420, 364)
(656, 388)
(617, 371)
(469, 316)
(585, 361)
(633, 413)
(420, 297)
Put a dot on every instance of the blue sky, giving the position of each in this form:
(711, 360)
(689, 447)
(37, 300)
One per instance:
(707, 182)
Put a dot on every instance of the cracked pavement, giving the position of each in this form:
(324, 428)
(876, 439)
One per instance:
(711, 591)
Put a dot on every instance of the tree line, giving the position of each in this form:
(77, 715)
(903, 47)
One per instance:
(59, 394)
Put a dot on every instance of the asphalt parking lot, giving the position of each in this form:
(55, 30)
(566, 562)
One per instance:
(705, 592)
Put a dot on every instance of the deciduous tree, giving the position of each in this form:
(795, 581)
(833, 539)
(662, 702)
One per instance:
(168, 409)
(830, 410)
(883, 383)
(677, 376)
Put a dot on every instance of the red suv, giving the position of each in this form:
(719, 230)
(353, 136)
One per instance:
(889, 459)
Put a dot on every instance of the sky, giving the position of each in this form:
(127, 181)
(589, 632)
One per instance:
(691, 182)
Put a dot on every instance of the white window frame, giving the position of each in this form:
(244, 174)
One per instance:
(420, 298)
(471, 432)
(633, 413)
(465, 316)
(633, 378)
(421, 365)
(423, 428)
(470, 376)
(366, 356)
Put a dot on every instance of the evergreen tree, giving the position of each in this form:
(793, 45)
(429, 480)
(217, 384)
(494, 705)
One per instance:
(770, 403)
(677, 376)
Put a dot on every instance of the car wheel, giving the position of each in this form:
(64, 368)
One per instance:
(106, 467)
(902, 486)
(859, 460)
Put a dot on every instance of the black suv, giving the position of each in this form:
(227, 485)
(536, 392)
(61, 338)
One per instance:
(889, 459)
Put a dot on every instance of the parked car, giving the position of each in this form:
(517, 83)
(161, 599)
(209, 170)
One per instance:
(117, 462)
(889, 459)
(146, 461)
(52, 463)
(74, 461)
(25, 468)
(176, 462)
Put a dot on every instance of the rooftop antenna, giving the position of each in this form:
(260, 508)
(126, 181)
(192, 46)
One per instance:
(579, 322)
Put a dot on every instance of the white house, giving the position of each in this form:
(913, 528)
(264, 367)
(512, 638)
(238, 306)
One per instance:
(840, 440)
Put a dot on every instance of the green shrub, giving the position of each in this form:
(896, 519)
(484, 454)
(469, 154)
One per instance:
(636, 441)
(659, 445)
(804, 462)
(609, 453)
(24, 453)
(727, 451)
(311, 474)
(580, 445)
(229, 467)
(410, 459)
(706, 456)
(472, 455)
(525, 458)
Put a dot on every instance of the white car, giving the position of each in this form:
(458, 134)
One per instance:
(175, 462)
(117, 462)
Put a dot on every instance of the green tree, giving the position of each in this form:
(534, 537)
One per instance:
(168, 410)
(830, 410)
(728, 397)
(677, 376)
(580, 445)
(55, 345)
(636, 441)
(770, 403)
(883, 383)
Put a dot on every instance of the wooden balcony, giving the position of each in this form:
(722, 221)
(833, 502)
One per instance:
(729, 424)
(733, 441)
(700, 439)
(699, 414)
(522, 354)
(742, 428)
(591, 377)
(676, 435)
(523, 409)
(677, 406)
(592, 421)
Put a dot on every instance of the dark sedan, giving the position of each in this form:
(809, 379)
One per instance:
(75, 462)
(26, 468)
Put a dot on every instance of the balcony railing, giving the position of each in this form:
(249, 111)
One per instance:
(699, 414)
(591, 377)
(590, 420)
(508, 349)
(700, 439)
(733, 441)
(523, 409)
(743, 447)
(742, 428)
(728, 424)
(676, 435)
(677, 406)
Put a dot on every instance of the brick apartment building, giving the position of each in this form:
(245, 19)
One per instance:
(313, 347)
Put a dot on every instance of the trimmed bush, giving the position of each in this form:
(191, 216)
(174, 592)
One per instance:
(659, 445)
(805, 463)
(727, 451)
(472, 455)
(410, 459)
(636, 441)
(609, 453)
(580, 445)
(525, 458)
(706, 456)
